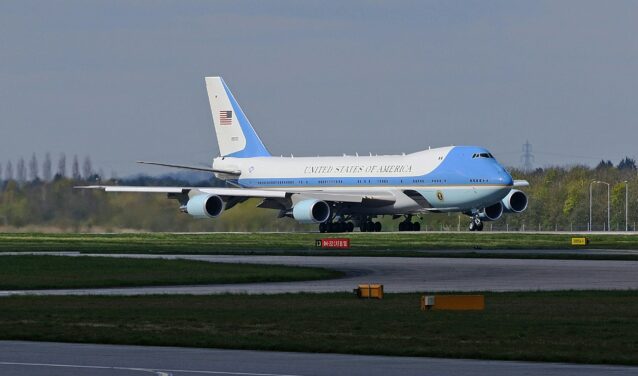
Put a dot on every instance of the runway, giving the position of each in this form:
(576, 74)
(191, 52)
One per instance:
(19, 358)
(403, 274)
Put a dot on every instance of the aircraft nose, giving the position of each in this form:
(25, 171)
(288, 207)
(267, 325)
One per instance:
(503, 176)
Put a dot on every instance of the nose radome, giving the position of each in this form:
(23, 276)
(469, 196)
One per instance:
(506, 178)
(503, 176)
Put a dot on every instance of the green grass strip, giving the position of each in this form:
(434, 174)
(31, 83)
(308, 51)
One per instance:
(378, 244)
(584, 327)
(50, 272)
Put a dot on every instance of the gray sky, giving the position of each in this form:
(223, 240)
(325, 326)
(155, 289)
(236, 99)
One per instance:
(124, 81)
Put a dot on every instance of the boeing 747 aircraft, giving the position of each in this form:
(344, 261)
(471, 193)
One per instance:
(341, 193)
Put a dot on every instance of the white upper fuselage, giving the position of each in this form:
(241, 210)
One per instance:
(450, 178)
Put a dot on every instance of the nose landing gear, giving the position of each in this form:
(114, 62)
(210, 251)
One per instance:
(476, 224)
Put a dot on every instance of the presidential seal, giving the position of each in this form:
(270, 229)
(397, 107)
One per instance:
(439, 195)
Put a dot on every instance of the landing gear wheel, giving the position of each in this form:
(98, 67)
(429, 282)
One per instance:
(323, 227)
(476, 224)
(377, 227)
(370, 226)
(350, 226)
(416, 226)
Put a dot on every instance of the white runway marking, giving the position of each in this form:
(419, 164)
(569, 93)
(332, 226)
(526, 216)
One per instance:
(156, 372)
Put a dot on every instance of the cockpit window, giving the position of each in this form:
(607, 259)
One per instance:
(482, 155)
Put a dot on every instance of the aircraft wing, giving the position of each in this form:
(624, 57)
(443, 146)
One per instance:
(521, 183)
(378, 198)
(235, 192)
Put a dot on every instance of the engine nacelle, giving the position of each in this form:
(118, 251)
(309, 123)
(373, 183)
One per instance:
(515, 202)
(491, 213)
(205, 206)
(311, 211)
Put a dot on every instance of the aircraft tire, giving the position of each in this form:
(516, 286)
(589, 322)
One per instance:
(377, 227)
(322, 227)
(370, 226)
(416, 226)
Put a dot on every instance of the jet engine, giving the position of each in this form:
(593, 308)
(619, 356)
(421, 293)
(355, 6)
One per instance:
(205, 206)
(515, 201)
(491, 213)
(311, 211)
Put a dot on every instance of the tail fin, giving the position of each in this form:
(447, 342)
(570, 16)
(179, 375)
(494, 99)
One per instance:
(235, 136)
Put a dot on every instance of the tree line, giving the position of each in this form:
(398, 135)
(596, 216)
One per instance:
(33, 197)
(31, 170)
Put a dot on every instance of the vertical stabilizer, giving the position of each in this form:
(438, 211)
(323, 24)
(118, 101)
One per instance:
(235, 136)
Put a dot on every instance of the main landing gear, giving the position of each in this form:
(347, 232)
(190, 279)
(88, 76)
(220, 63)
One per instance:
(341, 226)
(476, 224)
(408, 225)
(369, 226)
(347, 224)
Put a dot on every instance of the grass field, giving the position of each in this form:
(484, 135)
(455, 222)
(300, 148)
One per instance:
(47, 272)
(586, 327)
(408, 244)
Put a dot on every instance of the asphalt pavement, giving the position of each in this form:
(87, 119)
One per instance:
(19, 358)
(403, 274)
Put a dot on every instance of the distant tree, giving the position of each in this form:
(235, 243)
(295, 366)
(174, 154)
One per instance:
(21, 171)
(8, 173)
(87, 168)
(33, 168)
(603, 164)
(62, 165)
(46, 167)
(628, 164)
(75, 168)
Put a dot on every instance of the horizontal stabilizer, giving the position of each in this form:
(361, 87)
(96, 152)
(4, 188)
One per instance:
(194, 168)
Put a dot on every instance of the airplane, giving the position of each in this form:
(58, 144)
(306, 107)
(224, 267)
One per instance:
(342, 192)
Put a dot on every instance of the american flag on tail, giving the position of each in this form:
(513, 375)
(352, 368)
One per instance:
(225, 117)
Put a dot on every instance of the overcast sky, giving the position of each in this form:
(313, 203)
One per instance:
(124, 81)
